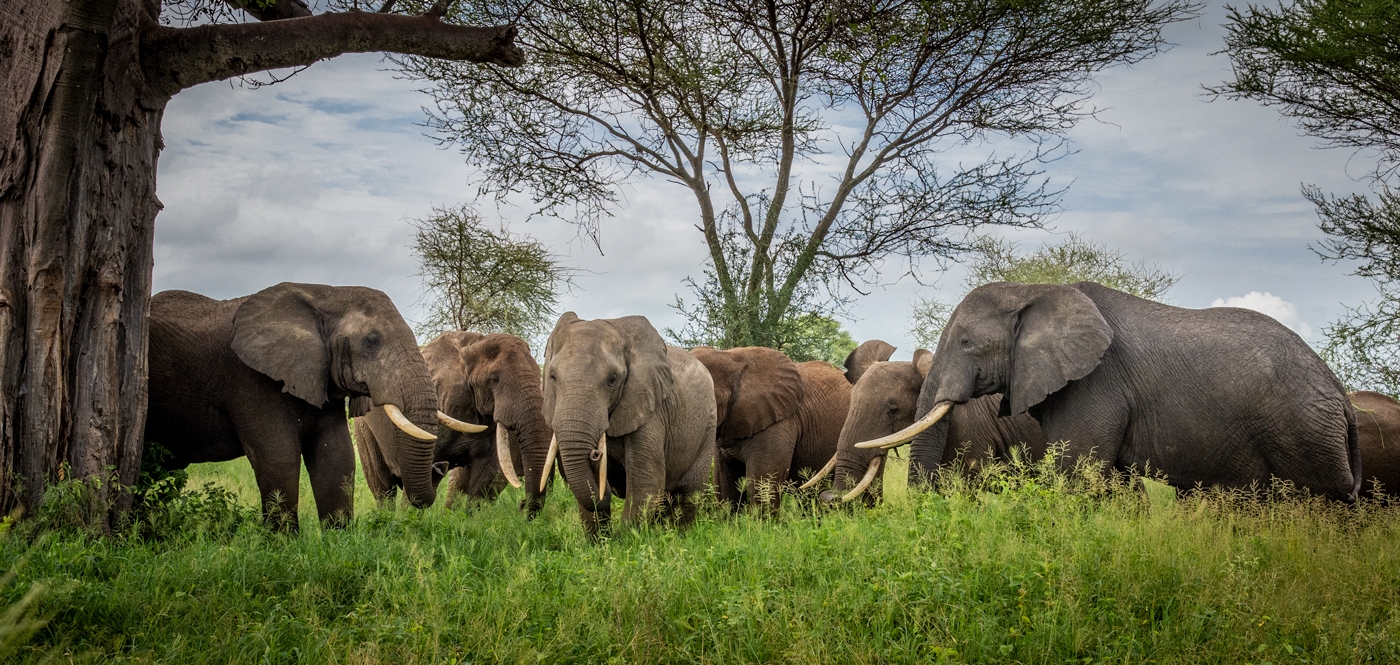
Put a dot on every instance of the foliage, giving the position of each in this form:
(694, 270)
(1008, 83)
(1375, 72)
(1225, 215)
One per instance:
(485, 280)
(1073, 260)
(729, 99)
(816, 337)
(1334, 67)
(1021, 564)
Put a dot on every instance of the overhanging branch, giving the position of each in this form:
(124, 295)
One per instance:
(179, 58)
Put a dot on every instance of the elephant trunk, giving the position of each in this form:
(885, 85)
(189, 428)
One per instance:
(577, 447)
(408, 386)
(928, 447)
(524, 418)
(852, 464)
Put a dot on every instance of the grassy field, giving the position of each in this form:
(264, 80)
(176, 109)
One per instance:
(1024, 565)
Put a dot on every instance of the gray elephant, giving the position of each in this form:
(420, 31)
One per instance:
(491, 381)
(1216, 397)
(268, 375)
(883, 402)
(774, 418)
(632, 416)
(1378, 428)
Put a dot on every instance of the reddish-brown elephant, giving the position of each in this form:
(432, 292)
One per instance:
(1378, 428)
(776, 418)
(488, 380)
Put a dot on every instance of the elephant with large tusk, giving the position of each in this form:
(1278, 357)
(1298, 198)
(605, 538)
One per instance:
(632, 416)
(1220, 396)
(267, 376)
(881, 418)
(492, 383)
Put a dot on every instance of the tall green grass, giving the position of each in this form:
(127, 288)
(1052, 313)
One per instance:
(1020, 565)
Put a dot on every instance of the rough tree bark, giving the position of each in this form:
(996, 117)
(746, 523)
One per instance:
(85, 83)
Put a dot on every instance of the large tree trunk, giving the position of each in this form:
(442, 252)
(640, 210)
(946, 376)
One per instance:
(85, 84)
(77, 214)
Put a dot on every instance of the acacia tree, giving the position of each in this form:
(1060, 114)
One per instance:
(810, 134)
(1334, 67)
(84, 85)
(483, 279)
(1074, 259)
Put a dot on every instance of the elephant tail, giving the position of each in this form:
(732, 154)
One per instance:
(1354, 451)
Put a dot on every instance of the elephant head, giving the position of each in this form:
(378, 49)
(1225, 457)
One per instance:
(1024, 341)
(602, 378)
(493, 380)
(327, 343)
(882, 401)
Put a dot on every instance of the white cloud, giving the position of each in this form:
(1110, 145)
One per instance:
(1267, 303)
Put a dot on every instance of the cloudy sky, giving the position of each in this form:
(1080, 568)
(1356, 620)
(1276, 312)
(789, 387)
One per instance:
(316, 179)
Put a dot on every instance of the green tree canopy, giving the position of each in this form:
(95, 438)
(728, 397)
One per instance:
(483, 279)
(1334, 67)
(1073, 260)
(809, 134)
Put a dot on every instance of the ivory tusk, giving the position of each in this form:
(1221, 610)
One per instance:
(458, 426)
(830, 464)
(406, 425)
(864, 482)
(549, 462)
(602, 465)
(503, 456)
(907, 434)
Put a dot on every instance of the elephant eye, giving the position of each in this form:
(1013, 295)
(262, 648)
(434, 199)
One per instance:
(612, 380)
(965, 343)
(894, 409)
(370, 344)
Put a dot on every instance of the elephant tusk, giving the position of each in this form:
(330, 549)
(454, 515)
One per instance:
(602, 465)
(831, 464)
(458, 426)
(549, 462)
(406, 425)
(864, 482)
(907, 434)
(503, 456)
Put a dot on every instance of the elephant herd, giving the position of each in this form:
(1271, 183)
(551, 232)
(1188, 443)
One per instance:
(1216, 397)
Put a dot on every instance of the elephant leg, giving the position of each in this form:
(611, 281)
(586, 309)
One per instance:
(1089, 431)
(277, 467)
(644, 462)
(768, 459)
(484, 480)
(330, 464)
(458, 480)
(728, 471)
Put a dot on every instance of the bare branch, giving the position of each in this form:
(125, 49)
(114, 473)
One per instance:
(183, 57)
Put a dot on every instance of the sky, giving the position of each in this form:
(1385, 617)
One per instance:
(318, 179)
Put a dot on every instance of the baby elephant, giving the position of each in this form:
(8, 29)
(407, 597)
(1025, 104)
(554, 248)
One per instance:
(632, 416)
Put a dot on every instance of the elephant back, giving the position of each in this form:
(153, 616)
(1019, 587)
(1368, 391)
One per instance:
(822, 414)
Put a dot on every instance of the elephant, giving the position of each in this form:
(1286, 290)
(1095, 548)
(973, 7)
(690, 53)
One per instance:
(631, 416)
(1213, 397)
(267, 376)
(1378, 427)
(490, 380)
(883, 401)
(774, 418)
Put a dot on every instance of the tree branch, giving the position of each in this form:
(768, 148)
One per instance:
(274, 11)
(179, 58)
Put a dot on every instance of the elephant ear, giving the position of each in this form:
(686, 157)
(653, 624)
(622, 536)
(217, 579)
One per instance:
(1060, 337)
(923, 361)
(277, 331)
(648, 375)
(867, 354)
(769, 389)
(551, 346)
